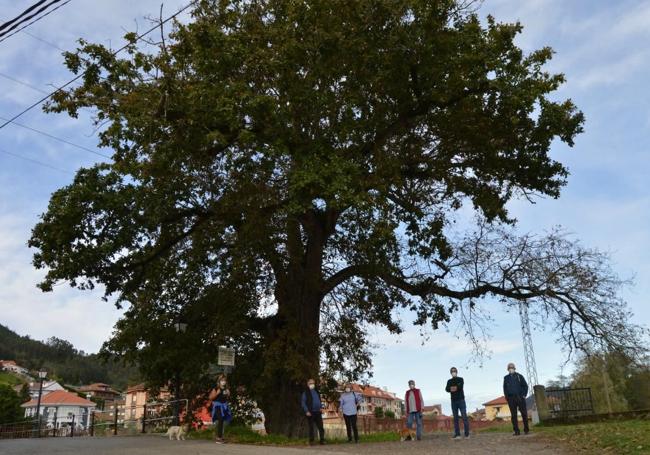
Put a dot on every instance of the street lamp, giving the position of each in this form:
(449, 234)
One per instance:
(180, 327)
(41, 375)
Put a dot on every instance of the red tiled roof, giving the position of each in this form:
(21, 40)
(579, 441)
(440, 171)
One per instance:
(60, 397)
(136, 388)
(97, 387)
(497, 401)
(7, 362)
(432, 408)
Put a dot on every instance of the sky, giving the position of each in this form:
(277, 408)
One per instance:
(601, 48)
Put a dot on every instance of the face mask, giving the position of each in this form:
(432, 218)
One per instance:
(347, 389)
(412, 386)
(454, 374)
(223, 383)
(312, 386)
(511, 370)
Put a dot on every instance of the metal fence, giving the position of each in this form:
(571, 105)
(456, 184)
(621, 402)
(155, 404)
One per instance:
(568, 402)
(151, 417)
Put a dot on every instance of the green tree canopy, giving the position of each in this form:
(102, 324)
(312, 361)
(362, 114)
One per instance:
(10, 410)
(286, 174)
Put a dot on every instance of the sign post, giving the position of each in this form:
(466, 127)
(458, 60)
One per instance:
(225, 361)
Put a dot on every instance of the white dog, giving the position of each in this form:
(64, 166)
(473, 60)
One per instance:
(176, 432)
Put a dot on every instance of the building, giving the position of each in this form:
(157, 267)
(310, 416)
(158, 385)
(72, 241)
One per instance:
(135, 399)
(10, 365)
(60, 409)
(372, 398)
(34, 387)
(432, 412)
(100, 391)
(497, 409)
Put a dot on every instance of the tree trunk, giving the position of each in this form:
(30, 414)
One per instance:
(292, 357)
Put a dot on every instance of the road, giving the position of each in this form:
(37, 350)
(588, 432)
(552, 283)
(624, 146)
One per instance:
(156, 445)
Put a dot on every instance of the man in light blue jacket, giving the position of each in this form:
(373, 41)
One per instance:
(349, 402)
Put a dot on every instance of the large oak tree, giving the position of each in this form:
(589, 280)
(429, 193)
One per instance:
(286, 174)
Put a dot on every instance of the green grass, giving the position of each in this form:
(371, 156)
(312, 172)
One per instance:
(616, 437)
(9, 379)
(245, 435)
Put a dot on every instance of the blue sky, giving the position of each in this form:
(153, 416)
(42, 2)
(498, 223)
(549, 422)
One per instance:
(601, 46)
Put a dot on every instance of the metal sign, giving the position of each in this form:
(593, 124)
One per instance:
(226, 356)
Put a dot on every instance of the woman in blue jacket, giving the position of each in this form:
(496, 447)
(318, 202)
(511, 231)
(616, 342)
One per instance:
(349, 403)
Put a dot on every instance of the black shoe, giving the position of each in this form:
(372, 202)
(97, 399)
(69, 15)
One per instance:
(349, 440)
(312, 443)
(526, 431)
(322, 442)
(516, 433)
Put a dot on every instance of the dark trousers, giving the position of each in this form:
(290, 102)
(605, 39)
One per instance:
(219, 421)
(456, 407)
(316, 419)
(515, 403)
(351, 426)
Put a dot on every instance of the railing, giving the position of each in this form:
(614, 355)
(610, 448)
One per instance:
(368, 424)
(567, 402)
(154, 416)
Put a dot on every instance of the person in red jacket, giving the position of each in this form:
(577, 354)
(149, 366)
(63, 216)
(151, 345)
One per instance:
(414, 403)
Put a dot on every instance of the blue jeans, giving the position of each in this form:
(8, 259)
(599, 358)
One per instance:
(418, 423)
(459, 405)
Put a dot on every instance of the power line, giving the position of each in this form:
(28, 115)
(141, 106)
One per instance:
(38, 38)
(5, 36)
(18, 81)
(65, 141)
(15, 155)
(27, 11)
(32, 106)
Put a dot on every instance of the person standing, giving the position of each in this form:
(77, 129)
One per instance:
(455, 386)
(220, 411)
(414, 403)
(349, 402)
(312, 406)
(515, 390)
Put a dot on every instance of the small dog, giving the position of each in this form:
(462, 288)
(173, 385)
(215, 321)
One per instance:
(406, 434)
(176, 432)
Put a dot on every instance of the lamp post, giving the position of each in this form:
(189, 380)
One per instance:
(180, 327)
(41, 375)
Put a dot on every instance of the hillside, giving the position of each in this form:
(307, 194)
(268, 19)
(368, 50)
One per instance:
(62, 361)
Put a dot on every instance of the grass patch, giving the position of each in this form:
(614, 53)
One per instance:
(619, 437)
(500, 428)
(9, 379)
(245, 435)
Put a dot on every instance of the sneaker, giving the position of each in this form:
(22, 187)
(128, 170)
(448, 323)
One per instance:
(516, 433)
(466, 436)
(219, 441)
(456, 437)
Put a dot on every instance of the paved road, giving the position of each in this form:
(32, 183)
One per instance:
(156, 445)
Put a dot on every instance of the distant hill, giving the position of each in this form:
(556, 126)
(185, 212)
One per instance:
(62, 361)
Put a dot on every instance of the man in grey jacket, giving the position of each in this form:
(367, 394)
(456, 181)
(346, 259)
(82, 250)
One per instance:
(515, 389)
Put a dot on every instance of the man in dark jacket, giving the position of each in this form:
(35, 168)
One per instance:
(455, 388)
(515, 389)
(312, 407)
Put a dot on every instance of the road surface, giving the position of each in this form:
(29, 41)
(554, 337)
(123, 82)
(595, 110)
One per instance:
(156, 445)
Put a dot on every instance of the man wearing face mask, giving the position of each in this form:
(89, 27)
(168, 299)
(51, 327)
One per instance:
(312, 406)
(515, 390)
(414, 403)
(455, 388)
(349, 402)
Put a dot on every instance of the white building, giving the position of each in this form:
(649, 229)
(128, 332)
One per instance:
(10, 365)
(48, 387)
(61, 409)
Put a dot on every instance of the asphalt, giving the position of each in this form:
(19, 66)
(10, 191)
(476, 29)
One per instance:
(485, 443)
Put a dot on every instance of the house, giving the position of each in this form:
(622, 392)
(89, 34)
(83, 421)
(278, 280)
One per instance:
(10, 365)
(372, 398)
(499, 409)
(60, 408)
(101, 391)
(432, 411)
(478, 415)
(34, 387)
(137, 396)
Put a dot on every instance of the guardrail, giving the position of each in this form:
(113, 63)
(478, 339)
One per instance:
(119, 419)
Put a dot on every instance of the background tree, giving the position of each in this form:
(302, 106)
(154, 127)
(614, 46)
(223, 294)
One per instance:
(286, 174)
(10, 410)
